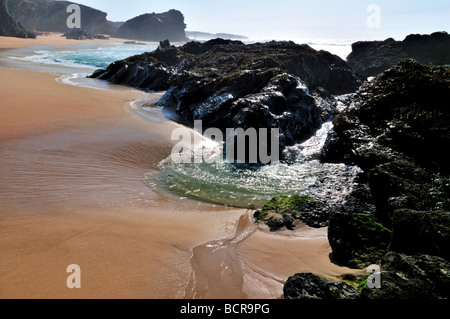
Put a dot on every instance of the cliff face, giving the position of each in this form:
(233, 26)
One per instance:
(155, 27)
(370, 58)
(51, 16)
(9, 26)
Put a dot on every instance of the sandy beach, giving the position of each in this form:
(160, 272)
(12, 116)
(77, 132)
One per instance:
(73, 162)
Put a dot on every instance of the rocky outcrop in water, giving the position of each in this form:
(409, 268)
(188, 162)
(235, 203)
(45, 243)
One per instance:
(51, 16)
(155, 27)
(398, 216)
(9, 26)
(395, 133)
(227, 84)
(370, 58)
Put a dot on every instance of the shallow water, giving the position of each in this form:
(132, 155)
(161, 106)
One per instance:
(246, 186)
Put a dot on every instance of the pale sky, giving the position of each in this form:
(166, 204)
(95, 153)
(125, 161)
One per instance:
(294, 19)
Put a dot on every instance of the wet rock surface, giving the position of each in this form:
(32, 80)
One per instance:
(398, 214)
(228, 84)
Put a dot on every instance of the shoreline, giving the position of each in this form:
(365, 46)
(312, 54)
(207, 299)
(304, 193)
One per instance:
(73, 161)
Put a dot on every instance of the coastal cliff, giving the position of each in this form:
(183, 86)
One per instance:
(393, 128)
(9, 26)
(51, 16)
(155, 27)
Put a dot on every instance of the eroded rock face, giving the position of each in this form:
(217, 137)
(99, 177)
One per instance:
(9, 26)
(155, 27)
(370, 58)
(51, 16)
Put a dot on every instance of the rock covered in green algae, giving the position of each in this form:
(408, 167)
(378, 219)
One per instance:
(358, 239)
(282, 211)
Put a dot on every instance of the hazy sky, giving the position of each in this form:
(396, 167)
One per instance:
(294, 19)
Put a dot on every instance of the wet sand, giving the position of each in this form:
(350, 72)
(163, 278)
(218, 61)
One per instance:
(73, 167)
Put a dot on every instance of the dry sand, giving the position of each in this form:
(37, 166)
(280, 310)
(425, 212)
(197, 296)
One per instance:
(73, 163)
(53, 39)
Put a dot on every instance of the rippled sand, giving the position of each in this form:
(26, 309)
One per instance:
(72, 167)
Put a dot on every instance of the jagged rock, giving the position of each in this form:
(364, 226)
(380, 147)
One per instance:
(371, 58)
(51, 16)
(412, 277)
(227, 84)
(309, 286)
(421, 232)
(394, 131)
(9, 26)
(155, 27)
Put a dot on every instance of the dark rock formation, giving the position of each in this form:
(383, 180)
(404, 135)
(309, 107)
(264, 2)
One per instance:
(415, 277)
(51, 16)
(228, 84)
(155, 27)
(395, 132)
(371, 58)
(358, 239)
(82, 34)
(9, 26)
(308, 286)
(421, 232)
